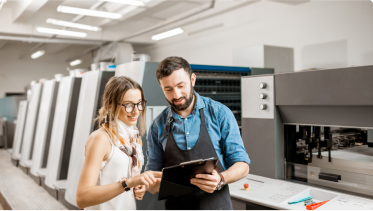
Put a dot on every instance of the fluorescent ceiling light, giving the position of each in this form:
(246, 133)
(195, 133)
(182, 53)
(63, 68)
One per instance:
(129, 2)
(75, 62)
(95, 13)
(61, 32)
(2, 3)
(166, 34)
(73, 25)
(37, 54)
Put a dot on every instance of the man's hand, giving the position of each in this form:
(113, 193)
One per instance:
(207, 182)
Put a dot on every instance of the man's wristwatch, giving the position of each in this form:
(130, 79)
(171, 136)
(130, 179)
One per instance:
(123, 181)
(221, 183)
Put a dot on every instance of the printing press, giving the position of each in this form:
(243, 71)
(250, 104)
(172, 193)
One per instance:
(312, 128)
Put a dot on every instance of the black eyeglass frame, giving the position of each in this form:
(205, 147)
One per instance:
(134, 105)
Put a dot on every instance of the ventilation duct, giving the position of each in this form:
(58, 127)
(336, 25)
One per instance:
(118, 52)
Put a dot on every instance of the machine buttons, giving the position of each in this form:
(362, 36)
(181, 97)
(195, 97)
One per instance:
(252, 97)
(263, 106)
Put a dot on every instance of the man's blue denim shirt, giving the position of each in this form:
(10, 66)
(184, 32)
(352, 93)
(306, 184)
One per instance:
(221, 126)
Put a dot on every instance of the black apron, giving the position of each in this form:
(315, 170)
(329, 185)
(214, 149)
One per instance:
(173, 155)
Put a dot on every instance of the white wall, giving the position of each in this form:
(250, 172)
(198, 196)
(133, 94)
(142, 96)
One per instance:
(324, 34)
(16, 73)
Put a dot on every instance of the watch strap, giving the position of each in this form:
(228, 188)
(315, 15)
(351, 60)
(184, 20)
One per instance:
(221, 183)
(123, 182)
(222, 177)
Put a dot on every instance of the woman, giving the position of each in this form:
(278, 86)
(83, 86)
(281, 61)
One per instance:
(110, 177)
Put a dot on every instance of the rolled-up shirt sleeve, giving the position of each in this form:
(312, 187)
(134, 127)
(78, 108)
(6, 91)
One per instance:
(155, 150)
(231, 141)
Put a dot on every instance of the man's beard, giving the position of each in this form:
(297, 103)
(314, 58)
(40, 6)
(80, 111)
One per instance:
(187, 103)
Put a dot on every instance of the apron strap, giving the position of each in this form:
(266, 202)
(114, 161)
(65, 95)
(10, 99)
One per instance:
(168, 127)
(203, 121)
(171, 120)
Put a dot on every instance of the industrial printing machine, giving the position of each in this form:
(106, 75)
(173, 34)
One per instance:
(44, 125)
(30, 127)
(308, 134)
(61, 134)
(18, 134)
(223, 84)
(65, 119)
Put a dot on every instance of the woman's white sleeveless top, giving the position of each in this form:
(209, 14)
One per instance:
(115, 167)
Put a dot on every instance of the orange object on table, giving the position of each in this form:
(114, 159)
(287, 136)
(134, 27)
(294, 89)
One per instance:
(315, 206)
(246, 186)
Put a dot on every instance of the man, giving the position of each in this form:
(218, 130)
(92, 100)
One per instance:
(195, 127)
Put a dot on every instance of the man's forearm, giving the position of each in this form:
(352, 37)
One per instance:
(236, 172)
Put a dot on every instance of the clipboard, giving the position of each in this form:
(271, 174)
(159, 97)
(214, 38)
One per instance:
(176, 179)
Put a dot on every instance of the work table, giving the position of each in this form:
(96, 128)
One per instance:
(276, 194)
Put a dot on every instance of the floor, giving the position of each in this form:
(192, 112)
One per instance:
(20, 191)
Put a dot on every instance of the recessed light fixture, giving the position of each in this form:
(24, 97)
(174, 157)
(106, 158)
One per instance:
(167, 34)
(61, 32)
(129, 2)
(37, 54)
(73, 25)
(87, 12)
(75, 62)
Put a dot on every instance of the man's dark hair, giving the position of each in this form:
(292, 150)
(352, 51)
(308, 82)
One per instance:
(170, 64)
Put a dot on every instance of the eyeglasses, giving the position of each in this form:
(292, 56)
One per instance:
(129, 107)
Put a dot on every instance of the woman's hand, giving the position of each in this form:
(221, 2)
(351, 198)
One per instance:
(147, 178)
(139, 192)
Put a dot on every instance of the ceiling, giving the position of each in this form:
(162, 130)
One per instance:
(22, 17)
(19, 20)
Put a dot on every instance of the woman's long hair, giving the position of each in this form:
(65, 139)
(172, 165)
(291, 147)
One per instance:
(112, 99)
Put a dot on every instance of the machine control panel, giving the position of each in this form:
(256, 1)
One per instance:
(252, 106)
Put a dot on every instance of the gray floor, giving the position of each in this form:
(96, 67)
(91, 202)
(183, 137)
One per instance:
(20, 191)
